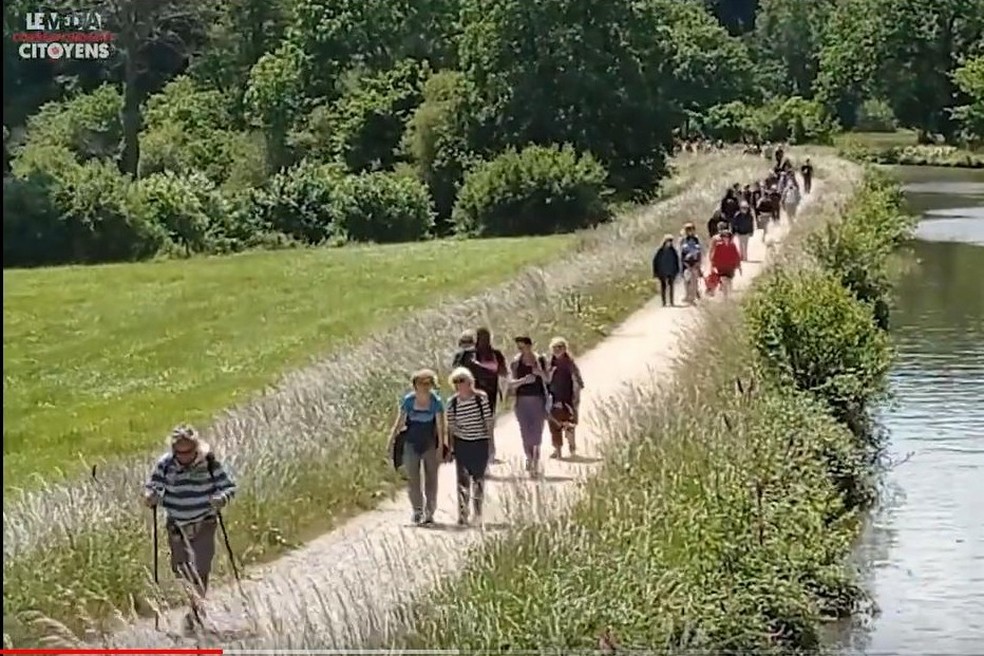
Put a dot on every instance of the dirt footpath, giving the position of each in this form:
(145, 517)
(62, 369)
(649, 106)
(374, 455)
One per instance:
(338, 588)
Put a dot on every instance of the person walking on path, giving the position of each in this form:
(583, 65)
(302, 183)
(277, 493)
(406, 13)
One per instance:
(465, 354)
(725, 260)
(470, 422)
(692, 256)
(192, 486)
(489, 369)
(666, 268)
(528, 380)
(419, 431)
(806, 170)
(565, 386)
(744, 228)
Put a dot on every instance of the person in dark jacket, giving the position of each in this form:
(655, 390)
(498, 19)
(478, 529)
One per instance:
(807, 171)
(744, 227)
(666, 268)
(465, 354)
(729, 204)
(714, 222)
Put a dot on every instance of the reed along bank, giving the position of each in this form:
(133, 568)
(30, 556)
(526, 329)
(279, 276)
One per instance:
(725, 518)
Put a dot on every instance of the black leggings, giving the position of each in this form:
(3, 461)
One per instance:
(666, 288)
(471, 458)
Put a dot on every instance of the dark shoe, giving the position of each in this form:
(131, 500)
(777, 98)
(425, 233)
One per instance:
(417, 517)
(463, 519)
(428, 520)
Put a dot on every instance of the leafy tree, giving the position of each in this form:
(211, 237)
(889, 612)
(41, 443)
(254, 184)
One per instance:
(147, 32)
(437, 140)
(788, 34)
(363, 128)
(274, 98)
(243, 32)
(902, 51)
(709, 67)
(554, 71)
(969, 78)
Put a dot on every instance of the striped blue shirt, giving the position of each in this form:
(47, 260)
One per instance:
(186, 492)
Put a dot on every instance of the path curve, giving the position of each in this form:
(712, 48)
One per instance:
(337, 590)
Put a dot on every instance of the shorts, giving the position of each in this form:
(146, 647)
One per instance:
(729, 274)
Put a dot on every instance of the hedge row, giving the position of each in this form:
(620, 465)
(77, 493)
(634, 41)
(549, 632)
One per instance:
(724, 519)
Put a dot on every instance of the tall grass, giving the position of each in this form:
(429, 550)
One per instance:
(724, 519)
(311, 447)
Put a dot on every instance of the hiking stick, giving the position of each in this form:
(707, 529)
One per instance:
(225, 539)
(157, 578)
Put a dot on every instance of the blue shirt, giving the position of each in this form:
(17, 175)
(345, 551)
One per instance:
(421, 416)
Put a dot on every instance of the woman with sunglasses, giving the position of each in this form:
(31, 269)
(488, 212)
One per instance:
(420, 424)
(192, 486)
(470, 421)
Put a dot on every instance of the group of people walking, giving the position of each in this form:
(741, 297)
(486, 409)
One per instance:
(193, 486)
(729, 231)
(429, 430)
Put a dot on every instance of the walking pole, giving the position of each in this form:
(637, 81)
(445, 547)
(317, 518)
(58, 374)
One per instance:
(225, 538)
(157, 581)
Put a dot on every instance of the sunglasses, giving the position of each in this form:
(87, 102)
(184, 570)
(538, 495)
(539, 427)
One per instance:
(459, 381)
(184, 452)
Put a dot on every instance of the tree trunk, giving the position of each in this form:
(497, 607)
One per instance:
(130, 117)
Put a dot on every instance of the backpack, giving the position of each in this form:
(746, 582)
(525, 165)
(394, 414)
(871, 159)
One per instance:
(482, 405)
(690, 250)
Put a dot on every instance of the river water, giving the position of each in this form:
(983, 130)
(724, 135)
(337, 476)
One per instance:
(922, 553)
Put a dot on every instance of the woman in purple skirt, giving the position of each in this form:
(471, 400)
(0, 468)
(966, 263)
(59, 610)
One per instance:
(528, 380)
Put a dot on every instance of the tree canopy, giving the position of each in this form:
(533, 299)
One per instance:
(247, 99)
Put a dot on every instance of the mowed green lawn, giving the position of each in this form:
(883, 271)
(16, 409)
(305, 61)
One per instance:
(878, 140)
(102, 361)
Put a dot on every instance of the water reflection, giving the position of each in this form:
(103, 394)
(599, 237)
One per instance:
(925, 547)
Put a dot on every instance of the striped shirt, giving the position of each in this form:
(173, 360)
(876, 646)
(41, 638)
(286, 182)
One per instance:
(186, 492)
(470, 419)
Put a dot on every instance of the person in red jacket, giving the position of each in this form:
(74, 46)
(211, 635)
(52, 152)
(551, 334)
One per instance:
(725, 260)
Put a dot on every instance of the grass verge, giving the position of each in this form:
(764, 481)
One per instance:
(724, 517)
(310, 452)
(101, 361)
(900, 148)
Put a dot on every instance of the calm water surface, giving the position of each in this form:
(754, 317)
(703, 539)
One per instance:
(923, 552)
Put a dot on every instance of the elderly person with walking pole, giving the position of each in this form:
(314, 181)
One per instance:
(192, 486)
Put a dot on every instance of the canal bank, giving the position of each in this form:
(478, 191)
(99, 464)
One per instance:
(923, 550)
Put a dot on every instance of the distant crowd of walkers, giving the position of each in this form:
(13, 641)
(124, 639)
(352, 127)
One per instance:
(729, 231)
(192, 485)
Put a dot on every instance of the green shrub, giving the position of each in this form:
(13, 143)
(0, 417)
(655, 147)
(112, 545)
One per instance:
(875, 115)
(80, 213)
(795, 120)
(538, 190)
(810, 332)
(383, 207)
(857, 247)
(180, 204)
(182, 102)
(88, 125)
(436, 141)
(730, 122)
(300, 202)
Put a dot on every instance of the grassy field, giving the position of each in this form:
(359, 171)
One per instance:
(101, 361)
(877, 140)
